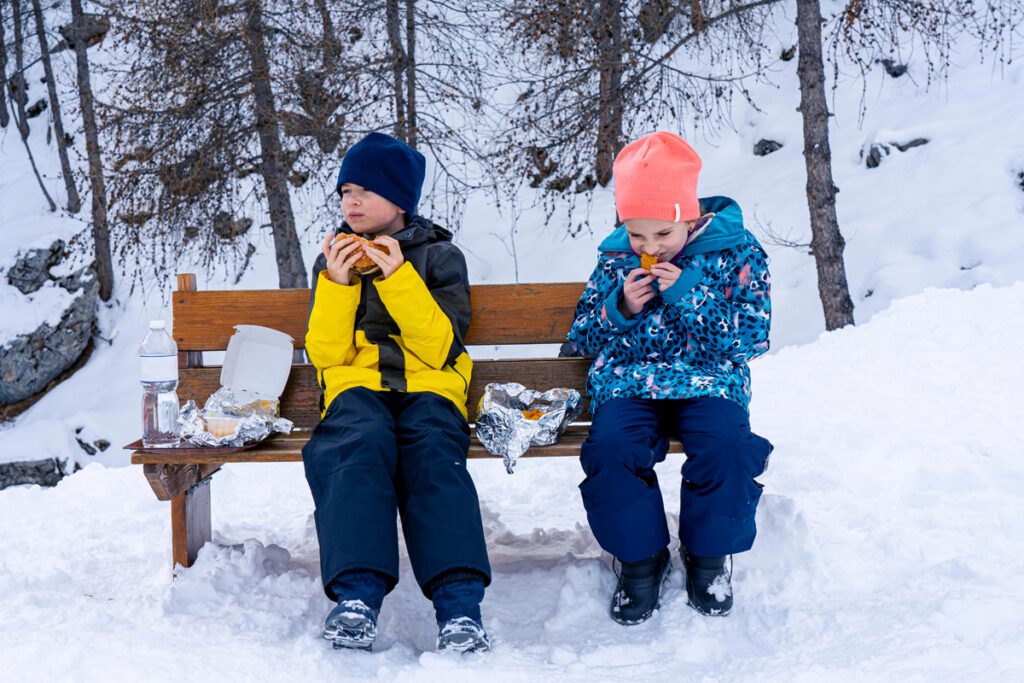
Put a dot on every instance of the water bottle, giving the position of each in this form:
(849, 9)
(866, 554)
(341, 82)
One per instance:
(158, 355)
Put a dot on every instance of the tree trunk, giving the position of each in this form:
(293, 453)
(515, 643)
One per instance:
(5, 118)
(397, 69)
(330, 51)
(100, 231)
(74, 201)
(609, 125)
(20, 119)
(290, 270)
(410, 70)
(826, 241)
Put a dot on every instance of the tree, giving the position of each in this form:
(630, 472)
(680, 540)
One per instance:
(199, 136)
(5, 118)
(19, 95)
(827, 242)
(867, 32)
(594, 74)
(74, 201)
(100, 231)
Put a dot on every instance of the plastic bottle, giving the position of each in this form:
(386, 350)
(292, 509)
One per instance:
(158, 356)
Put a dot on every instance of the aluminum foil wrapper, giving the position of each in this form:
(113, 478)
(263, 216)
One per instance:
(511, 418)
(257, 418)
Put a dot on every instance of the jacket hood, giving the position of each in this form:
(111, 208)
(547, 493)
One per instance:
(723, 231)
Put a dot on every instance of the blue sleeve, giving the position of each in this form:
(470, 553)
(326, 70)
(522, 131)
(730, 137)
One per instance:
(598, 319)
(733, 319)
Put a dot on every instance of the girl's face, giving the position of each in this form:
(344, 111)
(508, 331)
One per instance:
(367, 213)
(660, 238)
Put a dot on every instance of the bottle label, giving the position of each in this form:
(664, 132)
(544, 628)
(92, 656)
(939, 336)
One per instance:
(159, 368)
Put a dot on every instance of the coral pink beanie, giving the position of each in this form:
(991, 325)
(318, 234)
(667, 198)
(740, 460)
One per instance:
(656, 177)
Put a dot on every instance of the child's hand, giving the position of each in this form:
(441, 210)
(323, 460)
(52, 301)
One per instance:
(390, 262)
(666, 273)
(636, 291)
(340, 258)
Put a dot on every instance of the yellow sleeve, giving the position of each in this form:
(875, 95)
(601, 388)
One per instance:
(332, 322)
(426, 330)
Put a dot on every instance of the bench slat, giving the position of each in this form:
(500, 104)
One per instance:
(502, 314)
(301, 399)
(285, 449)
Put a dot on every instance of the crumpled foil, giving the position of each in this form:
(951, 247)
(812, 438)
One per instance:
(257, 419)
(511, 418)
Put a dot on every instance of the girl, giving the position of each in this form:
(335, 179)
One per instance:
(678, 303)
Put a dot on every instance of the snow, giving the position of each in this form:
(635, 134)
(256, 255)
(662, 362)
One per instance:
(889, 547)
(891, 533)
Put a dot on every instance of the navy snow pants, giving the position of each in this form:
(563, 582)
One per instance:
(719, 495)
(378, 453)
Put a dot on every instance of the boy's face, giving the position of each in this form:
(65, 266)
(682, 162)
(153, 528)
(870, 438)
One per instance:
(367, 213)
(660, 238)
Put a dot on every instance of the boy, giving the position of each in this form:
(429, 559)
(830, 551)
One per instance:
(388, 351)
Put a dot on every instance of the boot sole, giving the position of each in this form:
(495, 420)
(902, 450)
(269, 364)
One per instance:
(463, 645)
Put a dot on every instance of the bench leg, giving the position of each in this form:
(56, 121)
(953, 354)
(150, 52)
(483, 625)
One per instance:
(191, 525)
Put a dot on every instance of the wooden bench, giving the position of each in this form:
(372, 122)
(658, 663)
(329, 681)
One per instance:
(204, 321)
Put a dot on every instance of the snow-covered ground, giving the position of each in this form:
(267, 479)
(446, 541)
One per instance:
(890, 545)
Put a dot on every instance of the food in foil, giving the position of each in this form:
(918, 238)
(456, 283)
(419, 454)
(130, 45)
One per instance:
(511, 418)
(231, 418)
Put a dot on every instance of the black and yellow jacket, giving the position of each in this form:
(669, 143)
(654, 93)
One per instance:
(403, 333)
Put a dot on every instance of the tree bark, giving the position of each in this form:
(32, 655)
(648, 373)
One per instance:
(410, 71)
(330, 50)
(74, 201)
(609, 125)
(100, 230)
(397, 69)
(826, 242)
(5, 118)
(20, 119)
(698, 22)
(290, 270)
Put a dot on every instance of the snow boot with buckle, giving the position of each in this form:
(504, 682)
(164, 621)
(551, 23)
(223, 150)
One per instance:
(709, 583)
(352, 624)
(639, 590)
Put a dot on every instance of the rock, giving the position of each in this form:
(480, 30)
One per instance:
(88, 448)
(875, 154)
(95, 30)
(37, 108)
(41, 472)
(31, 268)
(916, 142)
(227, 228)
(763, 147)
(31, 361)
(893, 68)
(1020, 179)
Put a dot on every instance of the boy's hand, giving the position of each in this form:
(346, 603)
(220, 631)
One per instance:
(390, 262)
(340, 258)
(636, 291)
(666, 273)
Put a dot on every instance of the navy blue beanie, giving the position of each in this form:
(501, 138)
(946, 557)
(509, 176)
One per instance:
(387, 166)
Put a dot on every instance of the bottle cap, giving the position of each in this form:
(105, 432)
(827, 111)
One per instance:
(157, 325)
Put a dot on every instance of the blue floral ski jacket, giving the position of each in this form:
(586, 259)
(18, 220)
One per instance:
(696, 337)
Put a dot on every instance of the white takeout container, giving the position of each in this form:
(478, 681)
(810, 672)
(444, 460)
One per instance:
(257, 360)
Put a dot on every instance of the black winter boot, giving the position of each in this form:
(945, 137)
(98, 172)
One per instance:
(352, 624)
(639, 589)
(709, 583)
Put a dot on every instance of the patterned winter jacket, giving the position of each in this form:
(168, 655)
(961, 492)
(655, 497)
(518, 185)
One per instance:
(696, 337)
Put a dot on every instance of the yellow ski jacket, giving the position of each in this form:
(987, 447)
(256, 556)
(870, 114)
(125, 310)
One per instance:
(403, 333)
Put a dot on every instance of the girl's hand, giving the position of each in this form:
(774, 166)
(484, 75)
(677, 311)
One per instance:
(666, 273)
(390, 262)
(636, 291)
(341, 256)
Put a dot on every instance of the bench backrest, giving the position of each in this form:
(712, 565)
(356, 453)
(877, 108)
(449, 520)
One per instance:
(502, 315)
